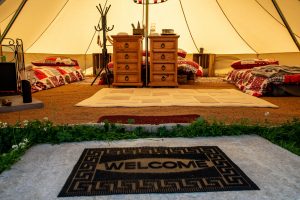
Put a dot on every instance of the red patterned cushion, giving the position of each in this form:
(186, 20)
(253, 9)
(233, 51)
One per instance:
(182, 53)
(187, 63)
(110, 65)
(248, 64)
(56, 61)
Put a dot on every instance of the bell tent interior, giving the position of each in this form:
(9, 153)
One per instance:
(248, 28)
(245, 32)
(194, 99)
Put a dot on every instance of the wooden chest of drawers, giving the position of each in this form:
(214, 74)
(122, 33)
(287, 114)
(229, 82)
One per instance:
(163, 60)
(127, 58)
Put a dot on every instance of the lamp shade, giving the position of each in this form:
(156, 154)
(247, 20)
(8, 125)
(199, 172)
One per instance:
(150, 1)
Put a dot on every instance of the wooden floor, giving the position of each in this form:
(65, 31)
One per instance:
(59, 107)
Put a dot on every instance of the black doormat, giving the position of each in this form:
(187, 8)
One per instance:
(107, 171)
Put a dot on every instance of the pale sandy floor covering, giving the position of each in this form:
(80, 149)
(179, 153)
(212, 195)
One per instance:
(144, 97)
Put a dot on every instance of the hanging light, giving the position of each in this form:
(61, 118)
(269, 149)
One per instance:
(146, 3)
(150, 1)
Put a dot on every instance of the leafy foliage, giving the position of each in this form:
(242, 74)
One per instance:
(12, 137)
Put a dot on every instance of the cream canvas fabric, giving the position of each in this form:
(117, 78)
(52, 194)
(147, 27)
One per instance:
(144, 97)
(67, 26)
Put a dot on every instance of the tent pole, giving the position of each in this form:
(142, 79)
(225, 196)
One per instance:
(1, 53)
(146, 40)
(286, 24)
(12, 20)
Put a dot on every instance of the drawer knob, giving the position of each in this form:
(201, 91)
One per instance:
(126, 46)
(163, 78)
(127, 67)
(126, 78)
(163, 67)
(162, 45)
(163, 56)
(126, 56)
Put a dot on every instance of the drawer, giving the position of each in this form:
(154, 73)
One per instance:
(126, 56)
(127, 67)
(126, 45)
(163, 77)
(164, 56)
(164, 45)
(163, 67)
(127, 78)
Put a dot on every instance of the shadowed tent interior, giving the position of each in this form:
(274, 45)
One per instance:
(230, 29)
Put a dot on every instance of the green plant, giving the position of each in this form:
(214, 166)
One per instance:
(16, 139)
(130, 121)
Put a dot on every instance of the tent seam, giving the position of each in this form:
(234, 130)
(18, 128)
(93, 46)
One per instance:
(92, 40)
(8, 16)
(275, 17)
(188, 26)
(235, 28)
(48, 26)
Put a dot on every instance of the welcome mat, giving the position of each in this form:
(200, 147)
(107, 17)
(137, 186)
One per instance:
(145, 97)
(136, 119)
(107, 171)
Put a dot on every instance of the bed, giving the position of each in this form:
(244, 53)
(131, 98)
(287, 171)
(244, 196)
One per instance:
(265, 78)
(53, 72)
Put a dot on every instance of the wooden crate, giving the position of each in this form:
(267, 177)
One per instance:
(207, 62)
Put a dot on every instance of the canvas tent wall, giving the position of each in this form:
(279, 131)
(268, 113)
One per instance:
(244, 28)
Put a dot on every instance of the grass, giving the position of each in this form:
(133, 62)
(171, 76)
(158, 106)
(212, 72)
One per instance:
(16, 139)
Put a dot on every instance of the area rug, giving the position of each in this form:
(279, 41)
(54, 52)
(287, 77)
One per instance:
(137, 170)
(144, 97)
(137, 119)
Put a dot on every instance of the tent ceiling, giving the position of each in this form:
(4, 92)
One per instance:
(67, 26)
(7, 10)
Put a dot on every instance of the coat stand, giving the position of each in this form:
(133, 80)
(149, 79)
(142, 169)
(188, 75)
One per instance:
(104, 30)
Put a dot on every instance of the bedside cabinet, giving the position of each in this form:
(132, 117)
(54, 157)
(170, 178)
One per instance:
(127, 58)
(163, 60)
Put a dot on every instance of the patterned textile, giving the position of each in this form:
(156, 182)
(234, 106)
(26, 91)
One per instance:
(275, 70)
(256, 85)
(47, 77)
(55, 61)
(250, 63)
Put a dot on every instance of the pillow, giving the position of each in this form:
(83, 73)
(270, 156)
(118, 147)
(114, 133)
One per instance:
(181, 53)
(189, 64)
(56, 61)
(249, 64)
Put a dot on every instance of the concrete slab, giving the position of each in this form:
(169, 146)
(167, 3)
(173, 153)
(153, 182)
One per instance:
(18, 105)
(43, 170)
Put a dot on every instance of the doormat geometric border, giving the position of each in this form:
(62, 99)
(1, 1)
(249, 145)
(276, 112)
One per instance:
(138, 170)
